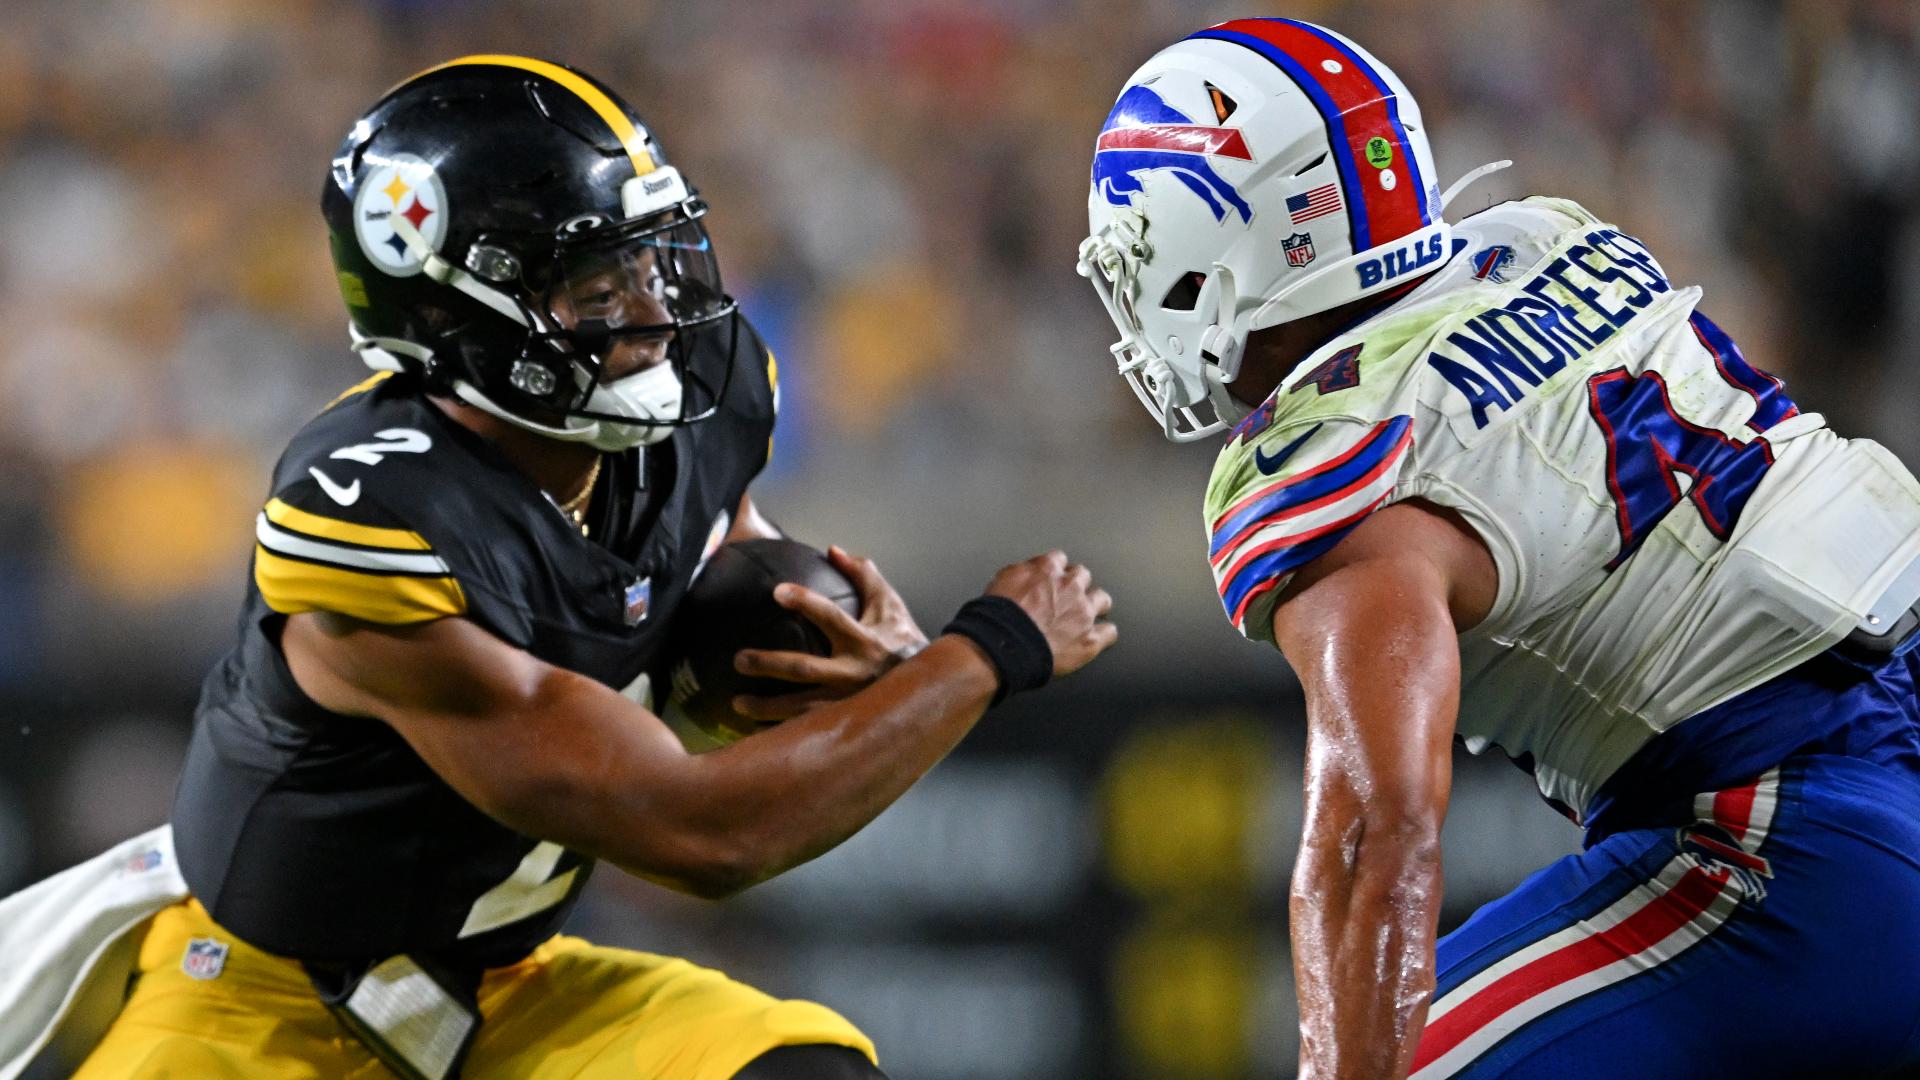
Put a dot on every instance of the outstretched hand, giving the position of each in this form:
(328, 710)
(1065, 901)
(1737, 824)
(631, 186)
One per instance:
(1061, 598)
(863, 649)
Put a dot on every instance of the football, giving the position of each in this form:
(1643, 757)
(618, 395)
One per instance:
(729, 608)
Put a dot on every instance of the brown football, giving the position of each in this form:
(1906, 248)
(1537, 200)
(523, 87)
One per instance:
(731, 607)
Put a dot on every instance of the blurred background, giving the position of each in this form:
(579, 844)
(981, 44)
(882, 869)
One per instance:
(1094, 886)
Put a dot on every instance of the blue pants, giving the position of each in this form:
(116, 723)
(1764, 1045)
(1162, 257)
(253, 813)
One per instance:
(1772, 932)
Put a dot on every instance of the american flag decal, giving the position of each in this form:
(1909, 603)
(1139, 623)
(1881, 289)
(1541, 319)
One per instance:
(1319, 202)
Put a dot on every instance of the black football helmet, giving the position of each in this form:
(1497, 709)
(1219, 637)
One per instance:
(503, 227)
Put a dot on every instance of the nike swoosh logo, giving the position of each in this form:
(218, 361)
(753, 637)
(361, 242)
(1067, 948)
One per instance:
(1268, 464)
(344, 495)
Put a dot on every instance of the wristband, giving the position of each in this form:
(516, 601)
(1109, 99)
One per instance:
(1011, 639)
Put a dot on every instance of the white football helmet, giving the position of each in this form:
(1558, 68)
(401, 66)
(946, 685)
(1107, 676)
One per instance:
(1255, 173)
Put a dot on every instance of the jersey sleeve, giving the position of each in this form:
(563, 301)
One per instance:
(314, 553)
(1282, 497)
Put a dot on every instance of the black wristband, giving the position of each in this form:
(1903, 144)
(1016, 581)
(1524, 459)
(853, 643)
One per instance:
(1011, 639)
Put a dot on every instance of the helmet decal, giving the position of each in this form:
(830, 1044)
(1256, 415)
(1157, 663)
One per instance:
(1144, 134)
(1363, 123)
(633, 138)
(1345, 177)
(1223, 105)
(1318, 202)
(405, 185)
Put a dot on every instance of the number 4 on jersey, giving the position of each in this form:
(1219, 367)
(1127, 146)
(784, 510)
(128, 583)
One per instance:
(1649, 445)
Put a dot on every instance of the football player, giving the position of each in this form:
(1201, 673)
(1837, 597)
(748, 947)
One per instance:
(1502, 479)
(437, 717)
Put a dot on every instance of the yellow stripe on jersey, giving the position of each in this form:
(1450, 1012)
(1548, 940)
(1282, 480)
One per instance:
(292, 586)
(360, 387)
(326, 528)
(630, 137)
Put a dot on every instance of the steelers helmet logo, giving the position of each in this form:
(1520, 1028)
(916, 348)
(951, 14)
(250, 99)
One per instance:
(405, 186)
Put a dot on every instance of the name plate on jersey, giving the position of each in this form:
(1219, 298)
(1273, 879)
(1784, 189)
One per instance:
(1585, 295)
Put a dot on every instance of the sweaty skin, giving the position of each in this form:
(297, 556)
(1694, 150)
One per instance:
(561, 757)
(1371, 629)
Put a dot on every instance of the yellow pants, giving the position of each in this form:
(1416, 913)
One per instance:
(571, 1009)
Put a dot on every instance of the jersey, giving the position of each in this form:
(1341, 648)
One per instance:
(1668, 527)
(325, 837)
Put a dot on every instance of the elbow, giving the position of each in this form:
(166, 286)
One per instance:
(722, 877)
(1399, 839)
(1379, 841)
(716, 885)
(1406, 833)
(675, 843)
(706, 867)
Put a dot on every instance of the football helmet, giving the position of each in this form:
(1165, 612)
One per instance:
(1257, 172)
(503, 228)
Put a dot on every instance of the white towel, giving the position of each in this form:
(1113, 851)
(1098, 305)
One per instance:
(67, 947)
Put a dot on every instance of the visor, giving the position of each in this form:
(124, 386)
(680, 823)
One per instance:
(621, 300)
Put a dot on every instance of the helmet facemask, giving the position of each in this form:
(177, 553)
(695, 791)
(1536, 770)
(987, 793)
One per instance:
(611, 310)
(1184, 385)
(621, 309)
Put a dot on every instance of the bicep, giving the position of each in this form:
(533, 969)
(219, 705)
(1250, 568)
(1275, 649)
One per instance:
(1371, 629)
(523, 740)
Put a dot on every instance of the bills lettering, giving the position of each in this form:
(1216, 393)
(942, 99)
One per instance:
(1401, 261)
(1565, 311)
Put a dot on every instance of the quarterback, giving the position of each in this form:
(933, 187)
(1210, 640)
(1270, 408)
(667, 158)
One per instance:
(1501, 479)
(438, 714)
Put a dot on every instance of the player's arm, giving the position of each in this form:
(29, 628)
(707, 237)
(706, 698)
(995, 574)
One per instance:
(1371, 629)
(558, 756)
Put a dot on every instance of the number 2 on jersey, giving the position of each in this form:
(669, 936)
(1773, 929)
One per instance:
(1649, 445)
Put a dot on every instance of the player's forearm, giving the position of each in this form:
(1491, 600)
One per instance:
(1375, 650)
(1363, 911)
(768, 803)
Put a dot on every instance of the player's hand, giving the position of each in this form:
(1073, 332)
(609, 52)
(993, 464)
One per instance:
(1065, 603)
(863, 649)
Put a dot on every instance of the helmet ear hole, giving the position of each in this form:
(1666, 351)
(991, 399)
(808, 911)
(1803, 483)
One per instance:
(1185, 292)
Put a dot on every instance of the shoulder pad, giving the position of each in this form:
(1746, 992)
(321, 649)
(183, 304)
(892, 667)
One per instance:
(320, 561)
(330, 541)
(1284, 495)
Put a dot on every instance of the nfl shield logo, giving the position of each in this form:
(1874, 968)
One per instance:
(1299, 249)
(639, 599)
(205, 959)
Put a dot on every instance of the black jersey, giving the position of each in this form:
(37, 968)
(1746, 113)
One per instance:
(325, 837)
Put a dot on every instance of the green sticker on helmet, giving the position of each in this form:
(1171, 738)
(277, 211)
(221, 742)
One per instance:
(1379, 152)
(352, 289)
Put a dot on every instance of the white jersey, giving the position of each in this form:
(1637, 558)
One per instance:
(1669, 529)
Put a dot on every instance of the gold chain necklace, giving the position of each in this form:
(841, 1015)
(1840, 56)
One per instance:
(576, 507)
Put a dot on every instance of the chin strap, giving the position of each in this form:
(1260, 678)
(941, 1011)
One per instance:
(384, 353)
(473, 396)
(1460, 185)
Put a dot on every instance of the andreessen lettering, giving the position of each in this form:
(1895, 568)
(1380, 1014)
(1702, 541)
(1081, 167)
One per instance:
(1502, 353)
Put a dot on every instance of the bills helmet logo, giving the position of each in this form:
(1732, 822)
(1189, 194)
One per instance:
(1493, 263)
(1144, 134)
